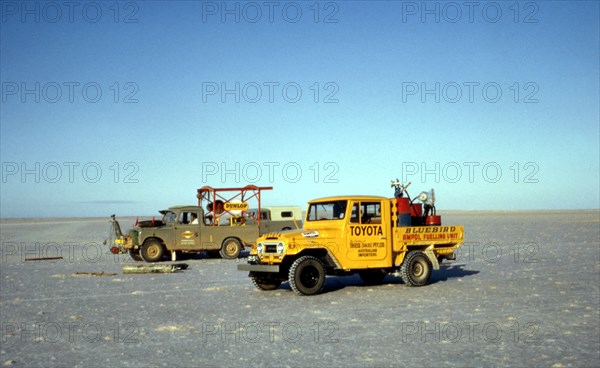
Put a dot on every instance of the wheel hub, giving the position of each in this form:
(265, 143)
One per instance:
(153, 251)
(310, 276)
(418, 269)
(230, 248)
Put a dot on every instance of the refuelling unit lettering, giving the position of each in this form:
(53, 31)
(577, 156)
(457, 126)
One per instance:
(430, 233)
(430, 229)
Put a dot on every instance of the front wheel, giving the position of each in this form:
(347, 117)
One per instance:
(307, 276)
(231, 248)
(152, 250)
(416, 269)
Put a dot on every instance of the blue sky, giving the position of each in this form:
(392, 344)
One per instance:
(130, 107)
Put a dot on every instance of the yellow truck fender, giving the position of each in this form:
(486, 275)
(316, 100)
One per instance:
(432, 257)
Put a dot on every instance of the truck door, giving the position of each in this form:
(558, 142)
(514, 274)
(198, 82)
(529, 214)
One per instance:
(367, 234)
(187, 231)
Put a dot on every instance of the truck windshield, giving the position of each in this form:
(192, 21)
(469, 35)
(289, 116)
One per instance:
(169, 217)
(326, 211)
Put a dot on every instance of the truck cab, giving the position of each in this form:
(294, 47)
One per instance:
(343, 235)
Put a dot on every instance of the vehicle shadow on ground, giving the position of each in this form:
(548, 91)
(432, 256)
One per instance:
(451, 271)
(335, 283)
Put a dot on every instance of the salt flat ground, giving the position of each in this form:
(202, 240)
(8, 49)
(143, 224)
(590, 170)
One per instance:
(523, 292)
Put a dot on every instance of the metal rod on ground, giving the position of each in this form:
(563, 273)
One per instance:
(43, 258)
(163, 268)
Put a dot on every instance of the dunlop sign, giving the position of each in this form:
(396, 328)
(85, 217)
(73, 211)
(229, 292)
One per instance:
(236, 207)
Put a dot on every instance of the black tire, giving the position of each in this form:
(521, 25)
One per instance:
(231, 248)
(135, 255)
(416, 269)
(152, 250)
(265, 282)
(307, 276)
(372, 277)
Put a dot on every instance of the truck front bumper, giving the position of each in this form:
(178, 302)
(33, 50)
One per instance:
(258, 268)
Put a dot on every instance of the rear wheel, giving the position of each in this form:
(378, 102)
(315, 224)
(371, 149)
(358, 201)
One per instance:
(231, 248)
(416, 269)
(152, 250)
(135, 255)
(372, 277)
(307, 276)
(265, 282)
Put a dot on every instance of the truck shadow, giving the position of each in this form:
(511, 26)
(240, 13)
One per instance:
(335, 283)
(451, 271)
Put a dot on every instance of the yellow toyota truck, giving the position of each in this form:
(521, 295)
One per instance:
(369, 235)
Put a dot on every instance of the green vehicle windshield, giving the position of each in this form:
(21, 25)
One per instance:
(169, 216)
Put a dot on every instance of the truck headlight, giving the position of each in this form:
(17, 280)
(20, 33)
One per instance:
(260, 247)
(280, 247)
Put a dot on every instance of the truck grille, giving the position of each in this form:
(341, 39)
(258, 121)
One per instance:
(270, 248)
